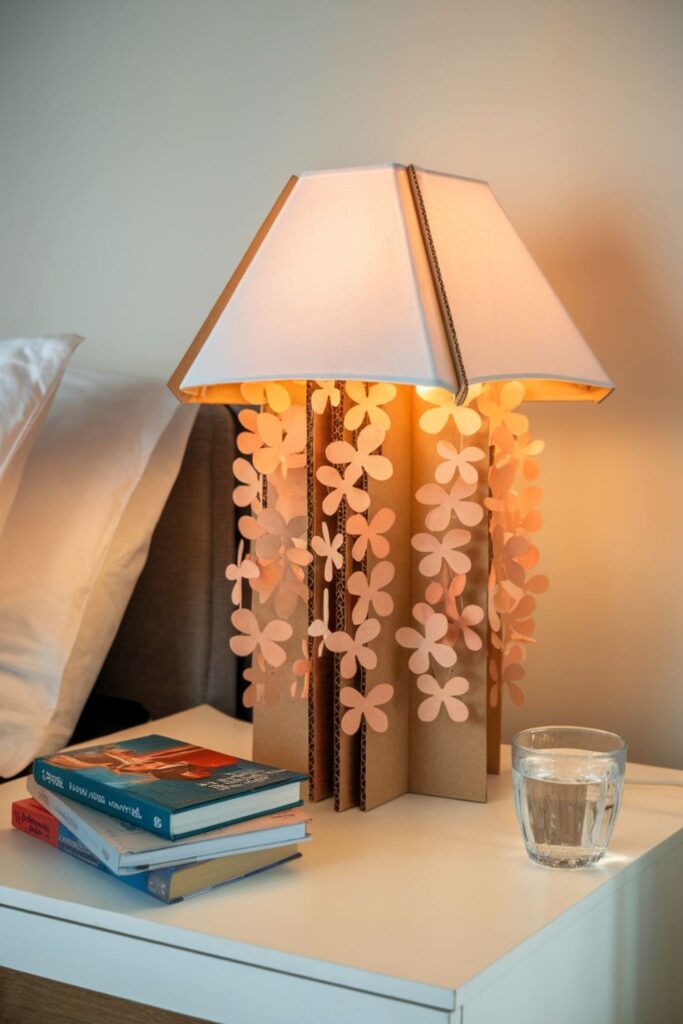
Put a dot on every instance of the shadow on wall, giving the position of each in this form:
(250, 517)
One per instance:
(609, 630)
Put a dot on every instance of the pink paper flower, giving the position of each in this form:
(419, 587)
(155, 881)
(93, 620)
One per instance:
(242, 569)
(370, 592)
(450, 503)
(360, 459)
(512, 674)
(445, 696)
(459, 462)
(283, 584)
(353, 647)
(368, 404)
(506, 553)
(365, 707)
(433, 421)
(460, 619)
(427, 646)
(497, 403)
(341, 488)
(288, 494)
(329, 549)
(327, 391)
(267, 640)
(248, 439)
(270, 392)
(263, 685)
(278, 538)
(283, 441)
(444, 550)
(249, 493)
(522, 451)
(371, 533)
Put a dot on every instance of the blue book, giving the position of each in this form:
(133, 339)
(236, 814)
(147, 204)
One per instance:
(169, 884)
(168, 787)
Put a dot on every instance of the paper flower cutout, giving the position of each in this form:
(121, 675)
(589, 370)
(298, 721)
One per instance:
(497, 403)
(444, 550)
(283, 584)
(288, 494)
(328, 548)
(521, 450)
(242, 569)
(321, 627)
(517, 623)
(459, 462)
(268, 581)
(519, 511)
(536, 584)
(433, 421)
(365, 707)
(269, 392)
(427, 646)
(280, 538)
(512, 674)
(248, 439)
(368, 404)
(263, 685)
(450, 503)
(353, 648)
(445, 696)
(249, 491)
(283, 441)
(327, 391)
(267, 639)
(341, 487)
(460, 620)
(507, 550)
(360, 459)
(302, 669)
(371, 533)
(370, 592)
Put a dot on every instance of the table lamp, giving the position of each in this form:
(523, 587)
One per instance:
(384, 327)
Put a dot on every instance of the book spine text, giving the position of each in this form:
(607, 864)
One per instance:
(88, 836)
(121, 804)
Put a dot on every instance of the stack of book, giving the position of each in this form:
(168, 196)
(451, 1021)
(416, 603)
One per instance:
(167, 817)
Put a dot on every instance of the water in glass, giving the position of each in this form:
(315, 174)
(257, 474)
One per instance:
(567, 801)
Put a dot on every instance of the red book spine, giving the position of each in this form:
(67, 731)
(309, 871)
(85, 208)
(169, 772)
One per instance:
(28, 816)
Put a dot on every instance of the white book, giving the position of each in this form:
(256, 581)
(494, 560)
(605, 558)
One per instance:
(126, 849)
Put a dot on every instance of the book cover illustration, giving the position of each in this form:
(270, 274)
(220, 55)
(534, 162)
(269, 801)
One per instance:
(149, 779)
(164, 771)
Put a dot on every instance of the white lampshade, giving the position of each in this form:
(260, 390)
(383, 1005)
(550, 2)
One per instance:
(394, 274)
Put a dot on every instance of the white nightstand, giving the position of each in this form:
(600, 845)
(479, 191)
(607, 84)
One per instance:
(425, 910)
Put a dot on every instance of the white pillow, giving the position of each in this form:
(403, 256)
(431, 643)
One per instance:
(116, 581)
(83, 471)
(30, 371)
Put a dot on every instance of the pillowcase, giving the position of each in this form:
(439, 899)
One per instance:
(30, 372)
(85, 467)
(116, 581)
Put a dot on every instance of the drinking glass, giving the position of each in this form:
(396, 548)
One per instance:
(567, 784)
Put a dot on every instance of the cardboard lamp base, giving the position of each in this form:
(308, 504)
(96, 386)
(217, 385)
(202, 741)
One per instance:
(363, 589)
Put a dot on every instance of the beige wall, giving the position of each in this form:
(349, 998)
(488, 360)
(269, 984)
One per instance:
(142, 142)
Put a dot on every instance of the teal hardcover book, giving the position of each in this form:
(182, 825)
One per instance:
(166, 786)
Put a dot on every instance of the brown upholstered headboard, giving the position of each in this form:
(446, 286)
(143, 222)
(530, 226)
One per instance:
(171, 651)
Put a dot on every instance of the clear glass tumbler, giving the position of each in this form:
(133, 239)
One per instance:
(567, 783)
